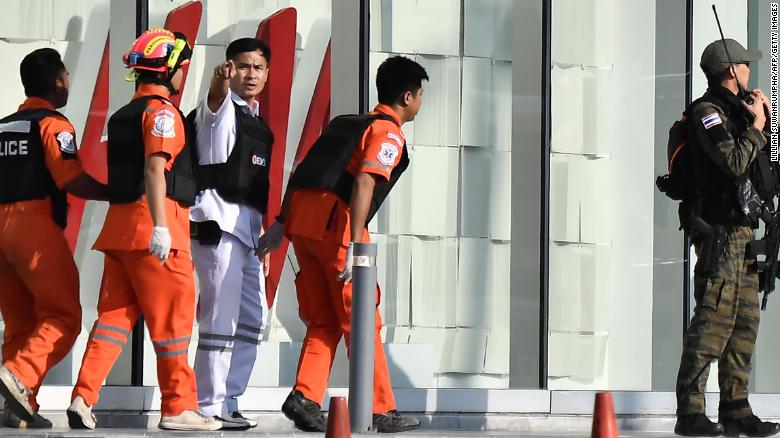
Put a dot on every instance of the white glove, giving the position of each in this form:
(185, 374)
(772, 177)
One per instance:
(346, 273)
(160, 246)
(270, 240)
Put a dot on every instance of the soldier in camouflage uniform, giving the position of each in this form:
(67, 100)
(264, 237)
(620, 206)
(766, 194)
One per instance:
(726, 135)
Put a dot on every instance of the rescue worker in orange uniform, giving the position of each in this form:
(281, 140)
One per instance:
(323, 221)
(145, 238)
(39, 282)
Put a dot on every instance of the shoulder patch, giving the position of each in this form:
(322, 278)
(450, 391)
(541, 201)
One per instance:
(67, 142)
(397, 139)
(164, 122)
(388, 154)
(711, 120)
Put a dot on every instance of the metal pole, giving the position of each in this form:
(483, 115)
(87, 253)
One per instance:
(686, 304)
(363, 55)
(361, 351)
(544, 244)
(137, 339)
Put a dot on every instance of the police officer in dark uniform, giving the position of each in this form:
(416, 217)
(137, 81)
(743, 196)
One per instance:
(727, 143)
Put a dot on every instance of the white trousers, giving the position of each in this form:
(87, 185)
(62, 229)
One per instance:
(232, 313)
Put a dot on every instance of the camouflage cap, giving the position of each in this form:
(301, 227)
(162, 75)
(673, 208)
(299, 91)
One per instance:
(714, 59)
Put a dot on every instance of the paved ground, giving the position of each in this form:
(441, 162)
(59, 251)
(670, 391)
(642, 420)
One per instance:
(128, 424)
(122, 433)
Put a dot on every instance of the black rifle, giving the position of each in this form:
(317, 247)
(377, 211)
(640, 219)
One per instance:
(768, 246)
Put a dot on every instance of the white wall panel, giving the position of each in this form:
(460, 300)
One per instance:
(500, 191)
(475, 293)
(561, 355)
(567, 117)
(501, 106)
(468, 351)
(479, 18)
(595, 288)
(27, 20)
(573, 28)
(438, 340)
(434, 181)
(476, 195)
(475, 114)
(482, 288)
(497, 352)
(438, 122)
(565, 195)
(434, 277)
(439, 36)
(598, 210)
(565, 288)
(598, 98)
(487, 28)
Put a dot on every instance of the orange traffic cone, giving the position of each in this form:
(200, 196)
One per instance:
(338, 419)
(604, 422)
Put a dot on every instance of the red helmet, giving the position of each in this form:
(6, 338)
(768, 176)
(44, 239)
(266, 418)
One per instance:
(158, 50)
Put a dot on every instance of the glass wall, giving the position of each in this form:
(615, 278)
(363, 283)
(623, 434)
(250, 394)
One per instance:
(616, 253)
(444, 232)
(616, 87)
(449, 294)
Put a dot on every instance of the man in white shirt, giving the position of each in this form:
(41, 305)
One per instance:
(233, 150)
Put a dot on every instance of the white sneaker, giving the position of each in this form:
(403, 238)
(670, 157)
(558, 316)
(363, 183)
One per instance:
(237, 415)
(80, 415)
(189, 420)
(16, 394)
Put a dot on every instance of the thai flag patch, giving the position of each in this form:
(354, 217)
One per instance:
(711, 120)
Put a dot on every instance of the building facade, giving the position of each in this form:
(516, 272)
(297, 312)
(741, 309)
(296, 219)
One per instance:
(526, 258)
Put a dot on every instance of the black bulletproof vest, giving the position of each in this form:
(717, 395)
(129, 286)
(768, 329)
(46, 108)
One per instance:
(325, 166)
(23, 172)
(715, 187)
(126, 159)
(243, 178)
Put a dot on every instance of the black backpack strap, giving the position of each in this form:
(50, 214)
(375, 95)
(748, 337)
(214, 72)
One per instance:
(38, 114)
(387, 117)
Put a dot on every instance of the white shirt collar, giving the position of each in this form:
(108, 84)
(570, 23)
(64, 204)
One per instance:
(255, 109)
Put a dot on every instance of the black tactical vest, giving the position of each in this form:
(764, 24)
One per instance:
(716, 189)
(126, 159)
(325, 166)
(243, 178)
(23, 172)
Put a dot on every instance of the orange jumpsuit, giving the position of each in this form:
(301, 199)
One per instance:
(135, 283)
(39, 282)
(318, 226)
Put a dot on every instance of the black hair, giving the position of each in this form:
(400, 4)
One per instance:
(243, 45)
(715, 80)
(396, 76)
(39, 70)
(154, 77)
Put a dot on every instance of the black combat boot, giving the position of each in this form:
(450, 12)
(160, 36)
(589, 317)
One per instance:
(12, 420)
(697, 425)
(750, 426)
(306, 414)
(392, 421)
